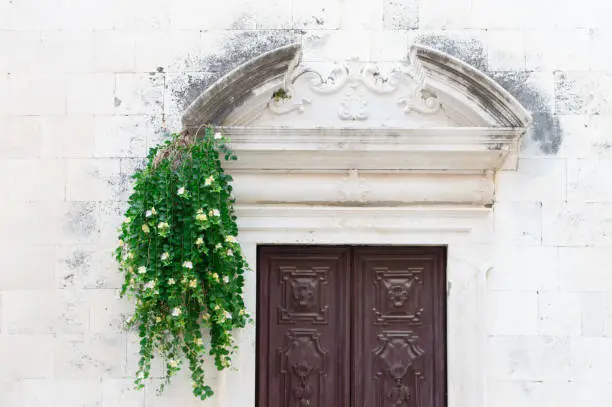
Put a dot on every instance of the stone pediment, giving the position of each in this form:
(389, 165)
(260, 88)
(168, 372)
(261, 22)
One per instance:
(431, 122)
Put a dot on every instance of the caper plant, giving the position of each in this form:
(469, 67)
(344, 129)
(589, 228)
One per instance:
(181, 261)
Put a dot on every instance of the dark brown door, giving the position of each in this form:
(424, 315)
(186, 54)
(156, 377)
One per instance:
(351, 326)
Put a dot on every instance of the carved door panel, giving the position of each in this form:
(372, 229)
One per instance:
(399, 315)
(304, 321)
(351, 327)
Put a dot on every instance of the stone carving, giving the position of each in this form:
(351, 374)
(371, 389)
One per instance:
(357, 82)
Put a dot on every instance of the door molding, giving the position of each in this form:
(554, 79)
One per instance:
(467, 265)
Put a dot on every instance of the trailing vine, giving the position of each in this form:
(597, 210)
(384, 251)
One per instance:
(181, 261)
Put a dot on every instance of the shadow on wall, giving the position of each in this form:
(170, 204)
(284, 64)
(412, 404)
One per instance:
(545, 133)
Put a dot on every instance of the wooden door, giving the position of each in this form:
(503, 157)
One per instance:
(351, 326)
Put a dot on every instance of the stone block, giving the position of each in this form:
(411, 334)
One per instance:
(443, 14)
(559, 313)
(400, 14)
(20, 137)
(33, 94)
(512, 312)
(67, 136)
(139, 94)
(167, 51)
(588, 179)
(317, 14)
(91, 93)
(536, 180)
(93, 179)
(583, 93)
(584, 269)
(109, 312)
(534, 358)
(26, 357)
(66, 51)
(27, 267)
(53, 392)
(33, 179)
(121, 392)
(13, 44)
(44, 312)
(594, 308)
(591, 358)
(527, 232)
(362, 14)
(577, 224)
(524, 268)
(114, 51)
(506, 50)
(97, 356)
(543, 53)
(120, 136)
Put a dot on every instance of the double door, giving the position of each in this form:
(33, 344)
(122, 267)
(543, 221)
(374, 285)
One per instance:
(351, 326)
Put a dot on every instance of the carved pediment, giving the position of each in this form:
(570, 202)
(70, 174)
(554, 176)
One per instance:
(350, 94)
(427, 130)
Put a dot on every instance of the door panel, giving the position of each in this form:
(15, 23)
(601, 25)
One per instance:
(400, 324)
(351, 326)
(303, 357)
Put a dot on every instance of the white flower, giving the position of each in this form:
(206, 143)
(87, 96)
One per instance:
(214, 212)
(148, 213)
(145, 228)
(158, 319)
(171, 281)
(218, 246)
(181, 191)
(218, 136)
(242, 312)
(215, 276)
(230, 239)
(127, 220)
(201, 217)
(199, 241)
(165, 256)
(209, 181)
(227, 315)
(230, 253)
(176, 312)
(225, 279)
(188, 265)
(199, 341)
(173, 363)
(150, 285)
(193, 283)
(130, 255)
(142, 270)
(163, 225)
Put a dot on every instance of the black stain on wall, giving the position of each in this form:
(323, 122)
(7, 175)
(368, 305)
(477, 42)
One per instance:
(545, 131)
(238, 49)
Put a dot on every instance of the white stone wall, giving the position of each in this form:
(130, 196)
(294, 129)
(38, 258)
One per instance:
(87, 86)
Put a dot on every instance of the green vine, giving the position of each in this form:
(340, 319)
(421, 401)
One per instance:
(182, 263)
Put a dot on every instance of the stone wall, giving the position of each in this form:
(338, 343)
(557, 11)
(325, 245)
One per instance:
(87, 87)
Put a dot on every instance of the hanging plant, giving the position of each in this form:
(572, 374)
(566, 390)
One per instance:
(182, 263)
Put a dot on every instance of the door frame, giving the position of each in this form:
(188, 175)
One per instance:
(465, 233)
